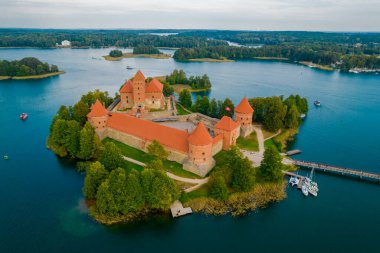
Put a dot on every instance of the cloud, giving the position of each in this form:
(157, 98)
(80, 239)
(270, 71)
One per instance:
(327, 15)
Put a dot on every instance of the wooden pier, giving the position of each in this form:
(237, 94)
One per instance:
(338, 170)
(178, 210)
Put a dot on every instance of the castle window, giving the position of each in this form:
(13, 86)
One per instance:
(153, 102)
(203, 153)
(152, 96)
(204, 159)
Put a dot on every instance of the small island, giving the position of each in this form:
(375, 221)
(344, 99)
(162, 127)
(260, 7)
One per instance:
(27, 68)
(138, 52)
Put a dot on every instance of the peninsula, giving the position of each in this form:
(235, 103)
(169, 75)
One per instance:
(27, 68)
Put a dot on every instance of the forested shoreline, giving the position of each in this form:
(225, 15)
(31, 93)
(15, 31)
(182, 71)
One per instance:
(318, 55)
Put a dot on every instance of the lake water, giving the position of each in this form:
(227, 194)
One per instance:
(42, 208)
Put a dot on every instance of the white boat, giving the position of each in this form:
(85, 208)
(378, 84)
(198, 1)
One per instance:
(293, 181)
(304, 190)
(317, 103)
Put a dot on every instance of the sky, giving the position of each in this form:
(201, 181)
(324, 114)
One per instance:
(309, 15)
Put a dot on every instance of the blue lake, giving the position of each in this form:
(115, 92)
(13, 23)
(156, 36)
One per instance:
(42, 208)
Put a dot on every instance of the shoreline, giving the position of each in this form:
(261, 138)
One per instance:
(32, 77)
(210, 60)
(131, 55)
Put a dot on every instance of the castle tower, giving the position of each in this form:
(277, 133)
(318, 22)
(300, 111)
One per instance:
(244, 114)
(139, 88)
(98, 118)
(230, 131)
(200, 159)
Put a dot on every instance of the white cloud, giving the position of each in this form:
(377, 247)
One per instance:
(348, 15)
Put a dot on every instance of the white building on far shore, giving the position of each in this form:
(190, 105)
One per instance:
(64, 43)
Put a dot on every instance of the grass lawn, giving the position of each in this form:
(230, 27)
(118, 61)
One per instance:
(181, 110)
(266, 133)
(201, 192)
(269, 143)
(141, 156)
(248, 143)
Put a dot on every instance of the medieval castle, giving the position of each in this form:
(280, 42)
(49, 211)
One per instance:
(195, 150)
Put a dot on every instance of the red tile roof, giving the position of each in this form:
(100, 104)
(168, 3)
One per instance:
(127, 87)
(139, 76)
(200, 136)
(154, 86)
(226, 123)
(147, 130)
(244, 106)
(97, 110)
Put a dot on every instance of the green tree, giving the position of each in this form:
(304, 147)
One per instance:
(95, 175)
(292, 119)
(80, 111)
(218, 187)
(185, 98)
(243, 177)
(134, 199)
(86, 142)
(168, 90)
(160, 191)
(213, 109)
(157, 150)
(105, 202)
(155, 165)
(64, 113)
(56, 140)
(227, 108)
(275, 114)
(116, 53)
(271, 167)
(111, 157)
(72, 137)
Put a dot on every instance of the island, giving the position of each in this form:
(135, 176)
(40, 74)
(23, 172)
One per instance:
(27, 68)
(138, 52)
(142, 157)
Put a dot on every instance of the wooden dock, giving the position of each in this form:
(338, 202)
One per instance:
(178, 210)
(293, 152)
(338, 170)
(291, 174)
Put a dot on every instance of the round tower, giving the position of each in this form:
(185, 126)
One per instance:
(243, 113)
(200, 159)
(98, 116)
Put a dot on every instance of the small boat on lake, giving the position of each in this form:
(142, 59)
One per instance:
(304, 190)
(23, 116)
(317, 103)
(293, 181)
(5, 157)
(129, 67)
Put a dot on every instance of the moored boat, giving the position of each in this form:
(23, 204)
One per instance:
(317, 103)
(23, 116)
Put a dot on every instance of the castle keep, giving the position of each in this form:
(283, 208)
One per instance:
(195, 149)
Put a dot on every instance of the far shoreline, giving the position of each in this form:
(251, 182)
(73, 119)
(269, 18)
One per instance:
(131, 55)
(32, 77)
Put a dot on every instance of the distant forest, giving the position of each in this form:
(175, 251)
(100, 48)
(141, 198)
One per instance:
(98, 39)
(342, 51)
(28, 66)
(323, 55)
